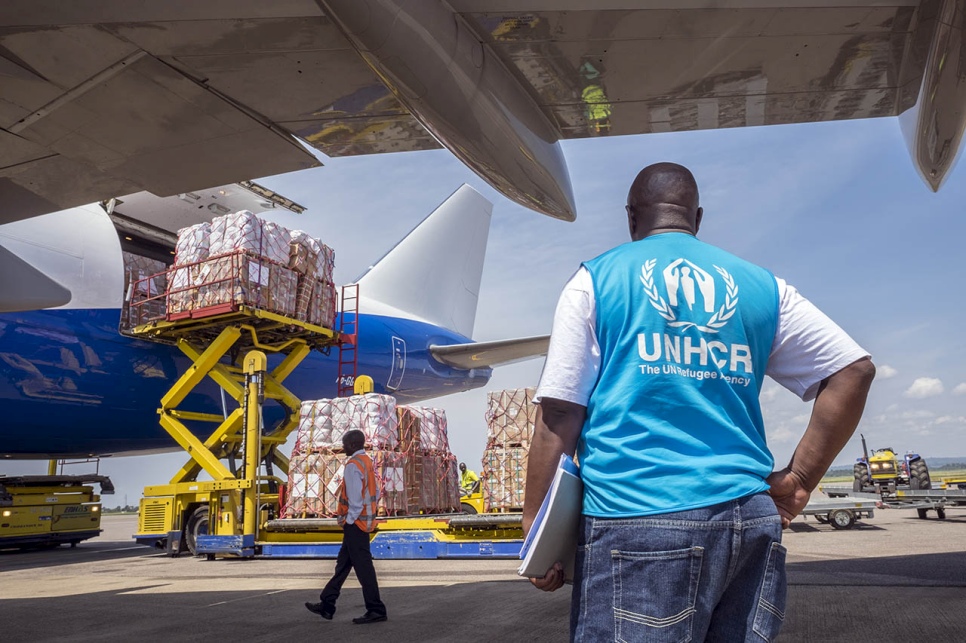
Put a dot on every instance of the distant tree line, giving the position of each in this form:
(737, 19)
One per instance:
(952, 466)
(126, 509)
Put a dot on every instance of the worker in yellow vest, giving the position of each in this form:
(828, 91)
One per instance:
(357, 516)
(469, 481)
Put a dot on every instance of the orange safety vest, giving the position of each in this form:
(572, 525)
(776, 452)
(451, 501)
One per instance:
(367, 518)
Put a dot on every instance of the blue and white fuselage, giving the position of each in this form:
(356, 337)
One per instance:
(71, 385)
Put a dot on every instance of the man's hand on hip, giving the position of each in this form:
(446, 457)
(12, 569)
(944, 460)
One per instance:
(789, 494)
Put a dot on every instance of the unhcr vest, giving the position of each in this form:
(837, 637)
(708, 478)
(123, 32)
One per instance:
(367, 518)
(674, 423)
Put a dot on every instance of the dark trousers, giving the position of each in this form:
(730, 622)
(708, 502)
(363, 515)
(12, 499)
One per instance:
(354, 554)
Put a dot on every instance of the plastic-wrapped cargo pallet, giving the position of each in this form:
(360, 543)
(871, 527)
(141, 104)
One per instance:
(510, 418)
(411, 478)
(240, 259)
(322, 423)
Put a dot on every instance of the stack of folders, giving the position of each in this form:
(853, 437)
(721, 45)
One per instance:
(553, 535)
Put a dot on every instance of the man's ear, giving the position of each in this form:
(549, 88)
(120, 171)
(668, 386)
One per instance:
(697, 219)
(631, 221)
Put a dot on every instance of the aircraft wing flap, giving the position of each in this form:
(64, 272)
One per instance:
(592, 68)
(490, 354)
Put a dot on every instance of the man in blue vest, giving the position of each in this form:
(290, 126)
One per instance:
(656, 361)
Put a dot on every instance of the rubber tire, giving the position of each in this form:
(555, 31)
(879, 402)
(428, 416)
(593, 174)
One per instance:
(919, 475)
(196, 525)
(467, 508)
(923, 513)
(860, 473)
(841, 519)
(821, 519)
(941, 513)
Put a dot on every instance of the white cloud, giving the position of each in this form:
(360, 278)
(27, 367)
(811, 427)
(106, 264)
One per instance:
(924, 387)
(960, 389)
(917, 415)
(885, 372)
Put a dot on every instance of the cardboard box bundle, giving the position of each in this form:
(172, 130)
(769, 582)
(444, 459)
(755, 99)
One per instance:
(313, 482)
(510, 417)
(409, 446)
(504, 478)
(242, 279)
(316, 302)
(310, 257)
(145, 284)
(450, 488)
(315, 264)
(389, 469)
(433, 436)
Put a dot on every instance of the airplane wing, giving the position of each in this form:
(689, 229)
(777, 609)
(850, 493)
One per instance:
(108, 97)
(489, 354)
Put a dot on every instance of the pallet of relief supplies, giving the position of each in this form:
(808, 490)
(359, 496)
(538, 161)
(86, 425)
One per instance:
(510, 417)
(433, 432)
(322, 423)
(314, 262)
(504, 478)
(408, 422)
(236, 260)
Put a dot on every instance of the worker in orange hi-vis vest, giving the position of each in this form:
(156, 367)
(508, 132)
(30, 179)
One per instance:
(357, 516)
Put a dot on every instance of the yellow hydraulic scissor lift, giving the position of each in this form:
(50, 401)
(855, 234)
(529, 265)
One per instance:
(230, 348)
(235, 513)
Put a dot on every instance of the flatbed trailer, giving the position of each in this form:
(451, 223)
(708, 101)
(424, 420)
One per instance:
(922, 500)
(399, 537)
(841, 513)
(51, 510)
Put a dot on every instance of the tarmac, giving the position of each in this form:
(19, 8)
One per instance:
(890, 578)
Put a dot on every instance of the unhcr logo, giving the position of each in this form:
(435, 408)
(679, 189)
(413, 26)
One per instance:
(688, 286)
(685, 283)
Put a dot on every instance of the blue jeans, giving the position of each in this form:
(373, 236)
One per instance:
(710, 574)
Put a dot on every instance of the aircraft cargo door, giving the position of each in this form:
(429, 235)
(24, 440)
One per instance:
(398, 364)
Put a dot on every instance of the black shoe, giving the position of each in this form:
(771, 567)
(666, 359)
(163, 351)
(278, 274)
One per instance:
(316, 608)
(369, 617)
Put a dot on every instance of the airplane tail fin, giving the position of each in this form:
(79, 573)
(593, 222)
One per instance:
(433, 275)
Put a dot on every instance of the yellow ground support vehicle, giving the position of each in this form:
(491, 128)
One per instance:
(47, 511)
(884, 470)
(472, 503)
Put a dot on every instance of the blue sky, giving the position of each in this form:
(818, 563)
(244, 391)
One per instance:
(837, 209)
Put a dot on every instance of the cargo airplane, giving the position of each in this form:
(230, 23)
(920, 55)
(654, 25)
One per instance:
(107, 97)
(72, 385)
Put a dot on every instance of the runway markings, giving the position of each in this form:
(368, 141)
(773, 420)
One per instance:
(245, 598)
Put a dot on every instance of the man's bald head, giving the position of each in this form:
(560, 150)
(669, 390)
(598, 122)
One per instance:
(662, 198)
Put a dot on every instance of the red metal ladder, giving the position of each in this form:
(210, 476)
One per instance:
(349, 336)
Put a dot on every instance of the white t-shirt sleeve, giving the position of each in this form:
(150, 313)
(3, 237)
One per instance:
(808, 346)
(573, 359)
